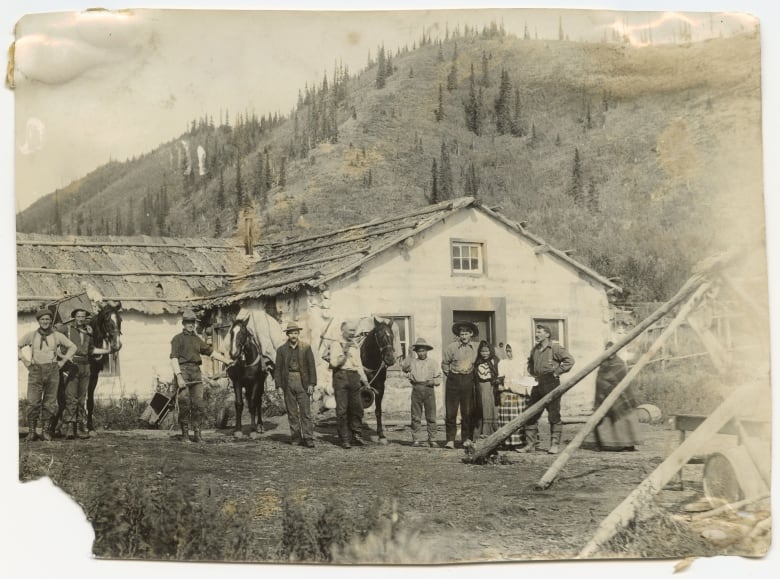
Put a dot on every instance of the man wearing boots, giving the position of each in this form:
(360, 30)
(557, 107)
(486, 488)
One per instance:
(296, 376)
(349, 378)
(457, 364)
(546, 362)
(76, 382)
(43, 376)
(186, 350)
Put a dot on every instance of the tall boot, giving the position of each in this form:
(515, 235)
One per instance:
(555, 438)
(31, 434)
(531, 438)
(46, 430)
(185, 433)
(69, 428)
(81, 430)
(197, 437)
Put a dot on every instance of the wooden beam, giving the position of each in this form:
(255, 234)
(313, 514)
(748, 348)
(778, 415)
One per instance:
(717, 354)
(643, 494)
(728, 507)
(123, 273)
(758, 313)
(82, 243)
(552, 472)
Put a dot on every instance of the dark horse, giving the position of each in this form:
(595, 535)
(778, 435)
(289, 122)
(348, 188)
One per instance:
(247, 373)
(376, 354)
(106, 334)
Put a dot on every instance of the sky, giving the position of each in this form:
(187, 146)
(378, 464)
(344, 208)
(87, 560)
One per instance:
(134, 65)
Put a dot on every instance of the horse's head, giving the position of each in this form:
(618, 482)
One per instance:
(383, 332)
(238, 335)
(107, 326)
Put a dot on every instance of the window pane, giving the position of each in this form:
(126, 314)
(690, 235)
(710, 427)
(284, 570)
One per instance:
(455, 250)
(474, 264)
(474, 251)
(455, 264)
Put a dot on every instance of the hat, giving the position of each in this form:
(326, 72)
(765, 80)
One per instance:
(367, 397)
(189, 316)
(421, 344)
(546, 328)
(74, 311)
(292, 327)
(470, 326)
(43, 312)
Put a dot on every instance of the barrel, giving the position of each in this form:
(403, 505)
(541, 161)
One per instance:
(731, 475)
(648, 414)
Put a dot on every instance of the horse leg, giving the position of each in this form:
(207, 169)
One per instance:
(380, 393)
(91, 387)
(57, 418)
(250, 402)
(259, 391)
(237, 391)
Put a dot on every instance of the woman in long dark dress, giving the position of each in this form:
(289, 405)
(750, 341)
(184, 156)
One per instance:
(619, 429)
(486, 371)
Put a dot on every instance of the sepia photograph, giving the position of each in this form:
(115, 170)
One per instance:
(339, 286)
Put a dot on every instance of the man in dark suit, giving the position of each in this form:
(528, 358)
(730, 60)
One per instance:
(296, 376)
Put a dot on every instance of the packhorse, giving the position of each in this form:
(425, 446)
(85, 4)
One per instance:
(247, 373)
(377, 353)
(106, 334)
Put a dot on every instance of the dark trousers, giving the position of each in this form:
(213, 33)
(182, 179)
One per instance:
(459, 393)
(298, 405)
(76, 395)
(192, 408)
(423, 398)
(42, 382)
(349, 407)
(545, 386)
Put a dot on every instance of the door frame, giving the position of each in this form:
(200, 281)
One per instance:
(449, 304)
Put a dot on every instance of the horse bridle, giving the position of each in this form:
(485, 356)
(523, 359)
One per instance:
(259, 350)
(381, 363)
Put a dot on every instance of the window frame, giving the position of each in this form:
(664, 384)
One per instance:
(561, 326)
(409, 330)
(481, 258)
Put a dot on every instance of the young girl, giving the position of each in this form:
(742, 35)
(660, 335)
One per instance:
(486, 369)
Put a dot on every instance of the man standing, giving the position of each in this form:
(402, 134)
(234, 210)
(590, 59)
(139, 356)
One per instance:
(458, 366)
(296, 376)
(43, 372)
(74, 412)
(349, 378)
(424, 374)
(546, 362)
(186, 350)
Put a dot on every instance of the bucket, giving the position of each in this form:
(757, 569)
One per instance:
(648, 414)
(731, 475)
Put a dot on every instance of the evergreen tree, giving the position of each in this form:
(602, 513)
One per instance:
(503, 105)
(485, 80)
(434, 183)
(439, 112)
(381, 71)
(239, 184)
(221, 189)
(593, 197)
(283, 172)
(445, 174)
(560, 28)
(452, 78)
(217, 227)
(471, 184)
(575, 189)
(473, 121)
(57, 216)
(517, 124)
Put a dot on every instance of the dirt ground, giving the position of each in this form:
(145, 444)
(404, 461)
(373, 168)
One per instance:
(464, 512)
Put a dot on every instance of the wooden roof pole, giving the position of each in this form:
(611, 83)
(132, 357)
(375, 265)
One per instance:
(556, 467)
(485, 446)
(642, 495)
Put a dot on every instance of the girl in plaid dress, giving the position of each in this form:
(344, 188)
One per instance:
(513, 397)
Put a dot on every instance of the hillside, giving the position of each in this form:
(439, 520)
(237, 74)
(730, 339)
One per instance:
(667, 141)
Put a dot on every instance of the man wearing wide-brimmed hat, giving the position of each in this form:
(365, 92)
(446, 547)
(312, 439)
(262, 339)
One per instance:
(295, 375)
(75, 383)
(458, 365)
(425, 374)
(186, 351)
(43, 376)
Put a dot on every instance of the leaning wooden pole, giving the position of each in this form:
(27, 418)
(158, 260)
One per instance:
(641, 496)
(486, 446)
(556, 467)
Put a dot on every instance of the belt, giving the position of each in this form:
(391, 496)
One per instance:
(189, 364)
(80, 359)
(293, 371)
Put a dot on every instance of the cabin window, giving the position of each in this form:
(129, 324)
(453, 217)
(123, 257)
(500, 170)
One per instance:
(467, 257)
(558, 328)
(402, 325)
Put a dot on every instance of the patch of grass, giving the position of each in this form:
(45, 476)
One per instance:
(683, 387)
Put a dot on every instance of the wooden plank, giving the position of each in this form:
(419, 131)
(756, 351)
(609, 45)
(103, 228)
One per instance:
(124, 273)
(690, 422)
(549, 476)
(717, 354)
(642, 495)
